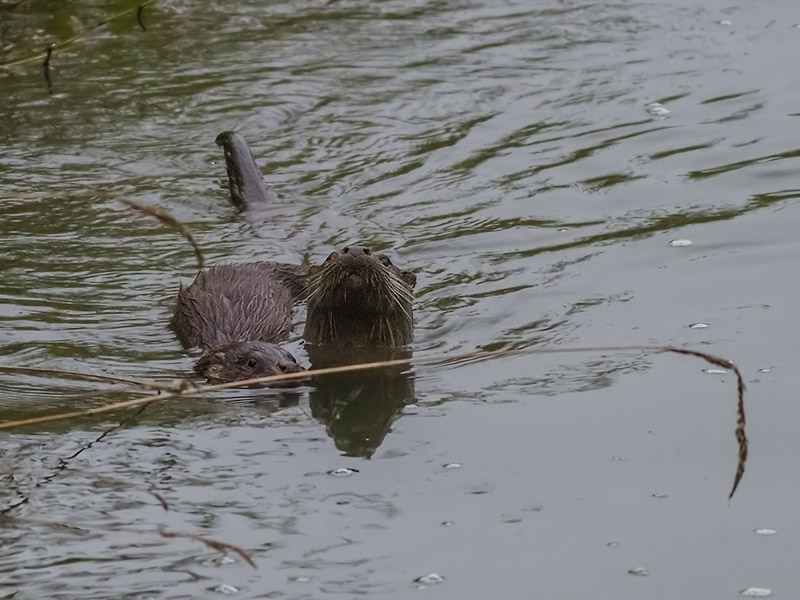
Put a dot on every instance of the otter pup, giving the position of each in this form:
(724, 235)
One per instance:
(245, 360)
(236, 314)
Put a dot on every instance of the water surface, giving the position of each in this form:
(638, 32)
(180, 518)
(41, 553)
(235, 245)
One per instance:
(512, 155)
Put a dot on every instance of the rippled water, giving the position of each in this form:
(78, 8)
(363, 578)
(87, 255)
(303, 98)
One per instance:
(511, 154)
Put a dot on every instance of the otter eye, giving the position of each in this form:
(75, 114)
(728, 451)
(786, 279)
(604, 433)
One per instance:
(385, 261)
(252, 363)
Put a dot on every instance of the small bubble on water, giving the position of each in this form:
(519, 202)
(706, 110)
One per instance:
(658, 495)
(226, 589)
(226, 560)
(699, 326)
(453, 465)
(657, 109)
(765, 531)
(447, 523)
(300, 579)
(767, 370)
(756, 592)
(639, 572)
(612, 544)
(726, 23)
(619, 458)
(342, 472)
(680, 243)
(429, 579)
(715, 371)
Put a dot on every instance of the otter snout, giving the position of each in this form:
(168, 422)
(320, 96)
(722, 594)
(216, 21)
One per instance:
(356, 251)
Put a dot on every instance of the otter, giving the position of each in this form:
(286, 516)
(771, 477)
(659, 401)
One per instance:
(356, 298)
(246, 184)
(238, 313)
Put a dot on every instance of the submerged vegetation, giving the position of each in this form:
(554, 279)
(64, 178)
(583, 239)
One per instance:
(46, 54)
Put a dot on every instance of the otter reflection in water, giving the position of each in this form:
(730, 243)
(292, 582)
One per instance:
(359, 408)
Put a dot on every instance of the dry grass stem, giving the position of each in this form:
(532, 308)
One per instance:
(80, 375)
(58, 46)
(187, 388)
(170, 221)
(222, 547)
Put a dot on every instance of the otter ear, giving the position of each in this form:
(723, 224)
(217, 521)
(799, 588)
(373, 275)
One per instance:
(409, 278)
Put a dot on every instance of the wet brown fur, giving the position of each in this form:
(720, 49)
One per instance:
(238, 303)
(358, 298)
(237, 314)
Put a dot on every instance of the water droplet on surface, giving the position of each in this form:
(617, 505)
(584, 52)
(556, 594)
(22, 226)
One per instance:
(680, 243)
(765, 531)
(765, 370)
(612, 544)
(639, 572)
(619, 458)
(657, 109)
(226, 589)
(658, 495)
(447, 523)
(453, 465)
(429, 579)
(342, 472)
(300, 579)
(726, 23)
(756, 592)
(715, 371)
(699, 326)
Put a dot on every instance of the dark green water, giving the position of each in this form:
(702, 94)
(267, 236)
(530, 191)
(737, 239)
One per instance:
(506, 151)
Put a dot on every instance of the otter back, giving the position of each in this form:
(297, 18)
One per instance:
(236, 303)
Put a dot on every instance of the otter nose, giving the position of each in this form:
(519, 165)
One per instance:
(288, 366)
(356, 251)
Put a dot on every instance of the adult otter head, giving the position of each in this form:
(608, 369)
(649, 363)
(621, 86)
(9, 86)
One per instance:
(357, 298)
(246, 360)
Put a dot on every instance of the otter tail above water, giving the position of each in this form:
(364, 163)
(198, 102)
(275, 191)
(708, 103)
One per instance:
(247, 186)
